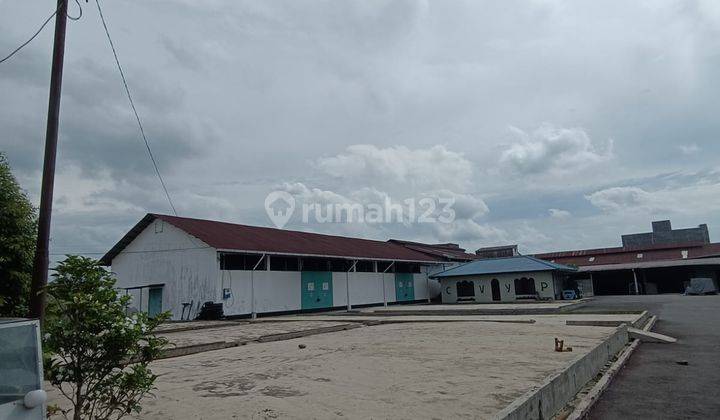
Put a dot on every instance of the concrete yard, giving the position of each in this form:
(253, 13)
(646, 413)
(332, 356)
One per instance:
(400, 370)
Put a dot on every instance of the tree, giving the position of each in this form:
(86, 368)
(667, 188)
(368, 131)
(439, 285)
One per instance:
(96, 354)
(18, 224)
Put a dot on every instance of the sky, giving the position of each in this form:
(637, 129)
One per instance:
(550, 124)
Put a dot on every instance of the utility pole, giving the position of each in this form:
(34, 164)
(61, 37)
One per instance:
(41, 262)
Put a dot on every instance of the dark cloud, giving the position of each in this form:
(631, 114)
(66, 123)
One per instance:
(240, 96)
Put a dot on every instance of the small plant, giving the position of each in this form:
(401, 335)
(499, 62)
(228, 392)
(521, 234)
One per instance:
(96, 354)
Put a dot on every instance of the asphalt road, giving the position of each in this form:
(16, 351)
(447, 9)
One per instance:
(653, 385)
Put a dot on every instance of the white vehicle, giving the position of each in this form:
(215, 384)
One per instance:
(21, 370)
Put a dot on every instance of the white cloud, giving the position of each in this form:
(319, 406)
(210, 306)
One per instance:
(619, 198)
(470, 232)
(553, 149)
(399, 166)
(689, 149)
(559, 214)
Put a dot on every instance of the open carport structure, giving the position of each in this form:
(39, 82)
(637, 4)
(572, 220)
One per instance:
(647, 263)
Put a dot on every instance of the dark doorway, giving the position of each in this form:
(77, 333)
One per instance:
(495, 286)
(465, 290)
(525, 287)
(617, 282)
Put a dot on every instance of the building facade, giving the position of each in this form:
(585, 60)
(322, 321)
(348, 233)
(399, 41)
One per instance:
(507, 279)
(177, 264)
(662, 261)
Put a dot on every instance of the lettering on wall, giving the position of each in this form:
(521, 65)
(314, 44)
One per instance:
(543, 285)
(482, 288)
(507, 287)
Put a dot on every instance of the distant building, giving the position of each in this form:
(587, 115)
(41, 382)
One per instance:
(497, 251)
(663, 234)
(503, 280)
(661, 261)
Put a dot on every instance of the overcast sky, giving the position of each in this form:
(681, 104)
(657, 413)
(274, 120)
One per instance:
(553, 124)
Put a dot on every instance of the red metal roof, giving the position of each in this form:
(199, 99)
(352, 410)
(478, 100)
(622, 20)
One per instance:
(235, 237)
(620, 255)
(448, 251)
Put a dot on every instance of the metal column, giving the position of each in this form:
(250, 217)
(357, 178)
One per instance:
(637, 290)
(347, 284)
(253, 313)
(383, 280)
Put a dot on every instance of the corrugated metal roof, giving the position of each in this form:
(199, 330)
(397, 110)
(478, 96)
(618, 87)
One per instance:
(244, 238)
(651, 264)
(517, 264)
(619, 255)
(450, 251)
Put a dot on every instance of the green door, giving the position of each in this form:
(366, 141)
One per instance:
(316, 289)
(154, 301)
(404, 287)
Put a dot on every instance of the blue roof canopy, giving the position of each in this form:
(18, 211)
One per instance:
(517, 264)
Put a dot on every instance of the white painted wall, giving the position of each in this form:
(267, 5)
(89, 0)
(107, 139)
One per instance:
(138, 299)
(275, 291)
(365, 288)
(544, 285)
(586, 286)
(165, 254)
(280, 290)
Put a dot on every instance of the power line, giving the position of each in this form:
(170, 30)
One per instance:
(132, 105)
(33, 36)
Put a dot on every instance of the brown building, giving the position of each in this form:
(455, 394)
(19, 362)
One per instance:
(662, 261)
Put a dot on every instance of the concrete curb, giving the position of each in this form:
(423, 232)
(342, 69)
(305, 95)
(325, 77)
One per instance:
(582, 409)
(641, 320)
(557, 390)
(199, 348)
(219, 345)
(200, 327)
(297, 334)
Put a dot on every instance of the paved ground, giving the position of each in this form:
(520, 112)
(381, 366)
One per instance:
(652, 385)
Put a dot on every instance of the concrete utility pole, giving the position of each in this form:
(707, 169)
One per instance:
(41, 262)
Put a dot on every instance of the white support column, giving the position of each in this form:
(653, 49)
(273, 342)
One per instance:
(637, 290)
(347, 284)
(253, 312)
(427, 283)
(383, 281)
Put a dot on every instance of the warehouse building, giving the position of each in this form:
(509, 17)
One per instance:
(177, 264)
(505, 279)
(662, 261)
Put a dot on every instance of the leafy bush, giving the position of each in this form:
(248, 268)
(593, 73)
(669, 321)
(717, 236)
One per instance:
(96, 354)
(17, 244)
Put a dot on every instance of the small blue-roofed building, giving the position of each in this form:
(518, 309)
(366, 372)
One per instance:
(503, 280)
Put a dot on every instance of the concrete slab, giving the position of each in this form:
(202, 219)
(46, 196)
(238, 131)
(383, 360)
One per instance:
(518, 308)
(557, 319)
(242, 332)
(650, 337)
(402, 370)
(196, 325)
